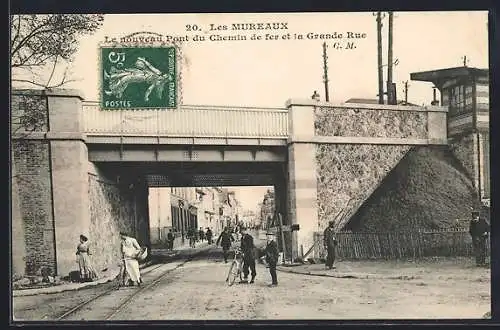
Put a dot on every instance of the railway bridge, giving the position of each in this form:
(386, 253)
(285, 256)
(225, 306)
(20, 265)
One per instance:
(80, 169)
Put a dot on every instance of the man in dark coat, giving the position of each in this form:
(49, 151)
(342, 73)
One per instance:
(478, 230)
(272, 257)
(191, 234)
(248, 248)
(170, 240)
(330, 242)
(209, 235)
(225, 239)
(201, 234)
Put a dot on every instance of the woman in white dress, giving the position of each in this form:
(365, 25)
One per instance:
(130, 248)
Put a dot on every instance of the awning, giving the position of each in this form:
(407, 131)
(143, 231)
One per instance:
(446, 74)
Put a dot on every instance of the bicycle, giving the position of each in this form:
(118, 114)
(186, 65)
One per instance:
(236, 268)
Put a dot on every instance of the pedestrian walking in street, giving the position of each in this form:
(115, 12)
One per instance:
(192, 237)
(209, 235)
(478, 230)
(130, 249)
(195, 235)
(225, 239)
(201, 234)
(87, 271)
(330, 243)
(170, 240)
(248, 249)
(272, 254)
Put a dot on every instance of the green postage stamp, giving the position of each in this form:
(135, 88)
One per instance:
(138, 77)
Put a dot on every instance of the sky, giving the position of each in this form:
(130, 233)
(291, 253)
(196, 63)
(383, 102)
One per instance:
(266, 73)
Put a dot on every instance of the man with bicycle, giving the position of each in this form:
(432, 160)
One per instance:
(248, 248)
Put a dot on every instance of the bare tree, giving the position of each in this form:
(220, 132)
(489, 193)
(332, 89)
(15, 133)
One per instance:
(39, 43)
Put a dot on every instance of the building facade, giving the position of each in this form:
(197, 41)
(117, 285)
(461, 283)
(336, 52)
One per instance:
(178, 209)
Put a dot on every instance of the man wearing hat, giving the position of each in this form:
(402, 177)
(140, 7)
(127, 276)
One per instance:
(247, 247)
(272, 257)
(478, 230)
(330, 242)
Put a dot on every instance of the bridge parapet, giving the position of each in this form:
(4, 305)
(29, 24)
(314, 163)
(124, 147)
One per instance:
(188, 121)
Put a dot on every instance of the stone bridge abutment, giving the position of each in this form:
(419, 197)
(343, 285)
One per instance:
(336, 156)
(57, 194)
(339, 154)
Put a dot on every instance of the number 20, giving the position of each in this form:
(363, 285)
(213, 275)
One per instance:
(193, 27)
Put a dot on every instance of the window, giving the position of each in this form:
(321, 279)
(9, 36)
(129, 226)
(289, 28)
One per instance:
(468, 98)
(460, 99)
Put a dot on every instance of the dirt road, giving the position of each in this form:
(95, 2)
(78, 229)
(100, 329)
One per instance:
(197, 290)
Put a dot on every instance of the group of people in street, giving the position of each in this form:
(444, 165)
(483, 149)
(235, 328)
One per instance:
(199, 235)
(131, 250)
(193, 235)
(249, 255)
(129, 263)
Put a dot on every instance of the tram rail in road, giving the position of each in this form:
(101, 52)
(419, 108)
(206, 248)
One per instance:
(128, 293)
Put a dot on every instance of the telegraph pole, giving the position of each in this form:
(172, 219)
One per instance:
(379, 59)
(325, 72)
(391, 98)
(406, 91)
(465, 60)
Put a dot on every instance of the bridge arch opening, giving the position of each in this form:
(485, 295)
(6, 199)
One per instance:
(177, 189)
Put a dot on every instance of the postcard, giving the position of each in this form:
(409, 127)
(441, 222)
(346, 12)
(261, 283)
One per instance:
(250, 166)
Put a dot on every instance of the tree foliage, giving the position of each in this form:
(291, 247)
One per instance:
(41, 41)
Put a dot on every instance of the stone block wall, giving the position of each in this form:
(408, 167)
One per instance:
(347, 174)
(113, 208)
(473, 151)
(463, 147)
(31, 186)
(29, 113)
(33, 214)
(57, 195)
(356, 122)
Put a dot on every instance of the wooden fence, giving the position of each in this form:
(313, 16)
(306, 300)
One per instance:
(400, 245)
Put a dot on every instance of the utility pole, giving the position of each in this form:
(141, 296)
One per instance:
(391, 98)
(465, 60)
(379, 59)
(325, 72)
(406, 91)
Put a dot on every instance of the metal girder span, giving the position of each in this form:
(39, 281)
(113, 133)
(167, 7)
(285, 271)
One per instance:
(209, 180)
(186, 155)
